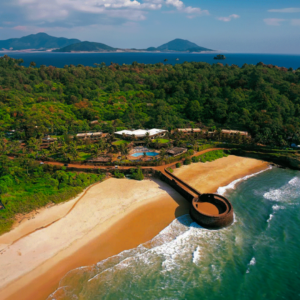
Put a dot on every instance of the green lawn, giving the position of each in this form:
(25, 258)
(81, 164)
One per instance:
(83, 156)
(161, 141)
(120, 142)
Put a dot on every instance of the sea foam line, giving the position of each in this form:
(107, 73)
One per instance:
(223, 189)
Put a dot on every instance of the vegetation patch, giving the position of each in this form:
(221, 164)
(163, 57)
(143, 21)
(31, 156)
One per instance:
(120, 142)
(25, 185)
(210, 156)
(161, 141)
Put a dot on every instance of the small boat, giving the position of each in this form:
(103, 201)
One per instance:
(177, 58)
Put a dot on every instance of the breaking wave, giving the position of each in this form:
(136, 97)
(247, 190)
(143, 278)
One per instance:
(285, 194)
(223, 189)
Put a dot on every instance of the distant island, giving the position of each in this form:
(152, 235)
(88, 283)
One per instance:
(220, 56)
(86, 47)
(39, 41)
(45, 42)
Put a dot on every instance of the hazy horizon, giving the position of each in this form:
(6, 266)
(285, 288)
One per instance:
(229, 26)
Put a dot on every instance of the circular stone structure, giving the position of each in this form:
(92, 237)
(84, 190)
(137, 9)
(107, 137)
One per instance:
(212, 211)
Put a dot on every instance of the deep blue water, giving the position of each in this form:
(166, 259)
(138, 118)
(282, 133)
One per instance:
(88, 59)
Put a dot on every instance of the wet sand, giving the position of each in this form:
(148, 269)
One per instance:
(113, 216)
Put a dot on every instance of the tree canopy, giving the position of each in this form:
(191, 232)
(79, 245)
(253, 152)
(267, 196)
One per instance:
(264, 100)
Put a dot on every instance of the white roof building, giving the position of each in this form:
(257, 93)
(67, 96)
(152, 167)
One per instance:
(141, 132)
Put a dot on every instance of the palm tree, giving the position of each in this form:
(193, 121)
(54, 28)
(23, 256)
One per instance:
(96, 151)
(147, 139)
(64, 148)
(54, 147)
(3, 146)
(163, 153)
(33, 144)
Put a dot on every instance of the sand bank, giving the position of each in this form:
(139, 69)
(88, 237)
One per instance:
(208, 177)
(112, 216)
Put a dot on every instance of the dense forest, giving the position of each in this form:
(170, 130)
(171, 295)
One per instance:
(263, 100)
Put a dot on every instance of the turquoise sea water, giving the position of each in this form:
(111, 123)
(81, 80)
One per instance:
(258, 257)
(88, 59)
(142, 153)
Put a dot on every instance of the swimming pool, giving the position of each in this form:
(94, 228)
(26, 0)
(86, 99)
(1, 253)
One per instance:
(142, 153)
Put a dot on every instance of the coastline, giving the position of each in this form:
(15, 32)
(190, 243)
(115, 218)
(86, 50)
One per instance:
(139, 222)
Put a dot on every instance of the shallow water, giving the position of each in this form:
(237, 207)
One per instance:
(255, 258)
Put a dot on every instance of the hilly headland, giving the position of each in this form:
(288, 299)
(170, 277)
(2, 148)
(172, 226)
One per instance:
(45, 42)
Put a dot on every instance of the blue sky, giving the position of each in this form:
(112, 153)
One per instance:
(265, 26)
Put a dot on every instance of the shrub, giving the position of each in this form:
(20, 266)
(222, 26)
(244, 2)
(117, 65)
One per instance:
(171, 170)
(138, 175)
(178, 165)
(195, 159)
(117, 174)
(212, 155)
(187, 161)
(190, 152)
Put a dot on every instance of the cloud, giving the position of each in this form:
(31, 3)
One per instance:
(295, 22)
(180, 6)
(75, 12)
(54, 10)
(286, 10)
(229, 18)
(273, 21)
(20, 28)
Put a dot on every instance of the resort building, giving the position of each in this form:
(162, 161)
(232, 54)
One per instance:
(187, 130)
(177, 151)
(89, 135)
(141, 133)
(234, 132)
(211, 133)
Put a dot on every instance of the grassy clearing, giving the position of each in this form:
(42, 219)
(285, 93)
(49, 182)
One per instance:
(120, 142)
(161, 141)
(210, 156)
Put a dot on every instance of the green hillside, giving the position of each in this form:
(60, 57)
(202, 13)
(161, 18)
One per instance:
(36, 41)
(86, 46)
(262, 100)
(179, 45)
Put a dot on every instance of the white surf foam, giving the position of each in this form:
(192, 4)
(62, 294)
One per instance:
(181, 243)
(270, 218)
(251, 263)
(295, 181)
(223, 189)
(286, 193)
(274, 208)
(197, 255)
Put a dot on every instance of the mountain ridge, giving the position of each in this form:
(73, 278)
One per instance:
(179, 45)
(42, 41)
(86, 46)
(36, 41)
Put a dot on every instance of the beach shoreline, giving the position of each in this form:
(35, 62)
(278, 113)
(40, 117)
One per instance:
(137, 223)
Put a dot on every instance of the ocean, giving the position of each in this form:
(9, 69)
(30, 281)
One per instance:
(257, 257)
(88, 59)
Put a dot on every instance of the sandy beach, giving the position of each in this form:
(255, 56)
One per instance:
(208, 177)
(108, 218)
